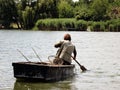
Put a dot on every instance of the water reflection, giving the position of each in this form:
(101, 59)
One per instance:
(61, 85)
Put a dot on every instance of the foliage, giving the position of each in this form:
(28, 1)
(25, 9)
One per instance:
(39, 9)
(47, 8)
(81, 25)
(8, 12)
(65, 9)
(110, 25)
(61, 24)
(114, 10)
(98, 26)
(84, 13)
(113, 25)
(99, 8)
(28, 18)
(25, 13)
(55, 24)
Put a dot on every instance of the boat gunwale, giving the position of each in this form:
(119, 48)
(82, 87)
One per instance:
(40, 64)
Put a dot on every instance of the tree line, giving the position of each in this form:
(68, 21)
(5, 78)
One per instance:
(25, 13)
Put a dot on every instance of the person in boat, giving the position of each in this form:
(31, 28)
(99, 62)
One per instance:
(65, 51)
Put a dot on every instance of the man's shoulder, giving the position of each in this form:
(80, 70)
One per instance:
(66, 42)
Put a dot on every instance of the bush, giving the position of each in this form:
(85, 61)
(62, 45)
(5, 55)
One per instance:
(81, 25)
(95, 26)
(84, 14)
(98, 26)
(102, 26)
(55, 24)
(113, 25)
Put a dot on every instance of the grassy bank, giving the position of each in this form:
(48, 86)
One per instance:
(72, 24)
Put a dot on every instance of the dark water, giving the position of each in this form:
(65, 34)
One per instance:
(97, 51)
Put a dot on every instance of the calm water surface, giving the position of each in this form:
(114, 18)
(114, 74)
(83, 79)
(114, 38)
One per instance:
(97, 51)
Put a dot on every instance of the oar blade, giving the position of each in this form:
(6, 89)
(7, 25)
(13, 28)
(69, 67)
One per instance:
(83, 68)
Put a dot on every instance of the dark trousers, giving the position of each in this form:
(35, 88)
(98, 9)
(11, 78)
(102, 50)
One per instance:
(66, 63)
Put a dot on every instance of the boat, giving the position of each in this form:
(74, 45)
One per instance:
(42, 71)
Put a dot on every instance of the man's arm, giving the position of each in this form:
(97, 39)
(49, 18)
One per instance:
(75, 53)
(58, 44)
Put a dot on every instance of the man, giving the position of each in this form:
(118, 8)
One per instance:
(64, 53)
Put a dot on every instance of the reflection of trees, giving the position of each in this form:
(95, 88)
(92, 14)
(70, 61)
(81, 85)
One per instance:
(62, 85)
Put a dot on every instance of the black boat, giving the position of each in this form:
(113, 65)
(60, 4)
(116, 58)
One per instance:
(42, 71)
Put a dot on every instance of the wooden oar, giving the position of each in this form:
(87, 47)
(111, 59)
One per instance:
(23, 55)
(81, 66)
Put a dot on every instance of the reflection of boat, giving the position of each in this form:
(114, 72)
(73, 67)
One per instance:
(64, 85)
(42, 71)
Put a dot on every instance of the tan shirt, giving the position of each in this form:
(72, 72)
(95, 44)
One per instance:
(65, 51)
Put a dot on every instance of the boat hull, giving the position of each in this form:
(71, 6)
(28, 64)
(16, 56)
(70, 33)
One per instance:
(42, 72)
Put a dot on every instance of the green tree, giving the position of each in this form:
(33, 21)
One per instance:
(28, 18)
(8, 12)
(114, 10)
(65, 9)
(99, 8)
(39, 8)
(26, 13)
(84, 13)
(83, 10)
(46, 9)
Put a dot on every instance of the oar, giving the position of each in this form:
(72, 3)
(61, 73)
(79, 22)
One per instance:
(81, 66)
(23, 55)
(36, 54)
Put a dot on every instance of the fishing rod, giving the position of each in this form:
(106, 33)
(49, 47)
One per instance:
(36, 54)
(23, 55)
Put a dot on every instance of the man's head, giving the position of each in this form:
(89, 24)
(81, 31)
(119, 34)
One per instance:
(67, 37)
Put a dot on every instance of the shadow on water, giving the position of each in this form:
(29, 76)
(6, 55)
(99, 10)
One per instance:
(61, 85)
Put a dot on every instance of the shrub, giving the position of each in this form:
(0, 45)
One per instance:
(55, 24)
(98, 26)
(81, 25)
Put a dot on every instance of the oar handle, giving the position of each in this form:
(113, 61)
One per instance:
(76, 61)
(81, 66)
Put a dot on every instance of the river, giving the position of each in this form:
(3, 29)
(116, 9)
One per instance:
(99, 52)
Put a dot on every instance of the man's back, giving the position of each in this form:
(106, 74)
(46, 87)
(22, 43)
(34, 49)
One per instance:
(67, 50)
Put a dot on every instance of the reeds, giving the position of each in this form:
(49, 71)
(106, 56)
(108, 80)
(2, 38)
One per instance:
(61, 24)
(66, 24)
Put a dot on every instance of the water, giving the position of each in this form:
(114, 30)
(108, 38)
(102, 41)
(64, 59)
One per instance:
(97, 51)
